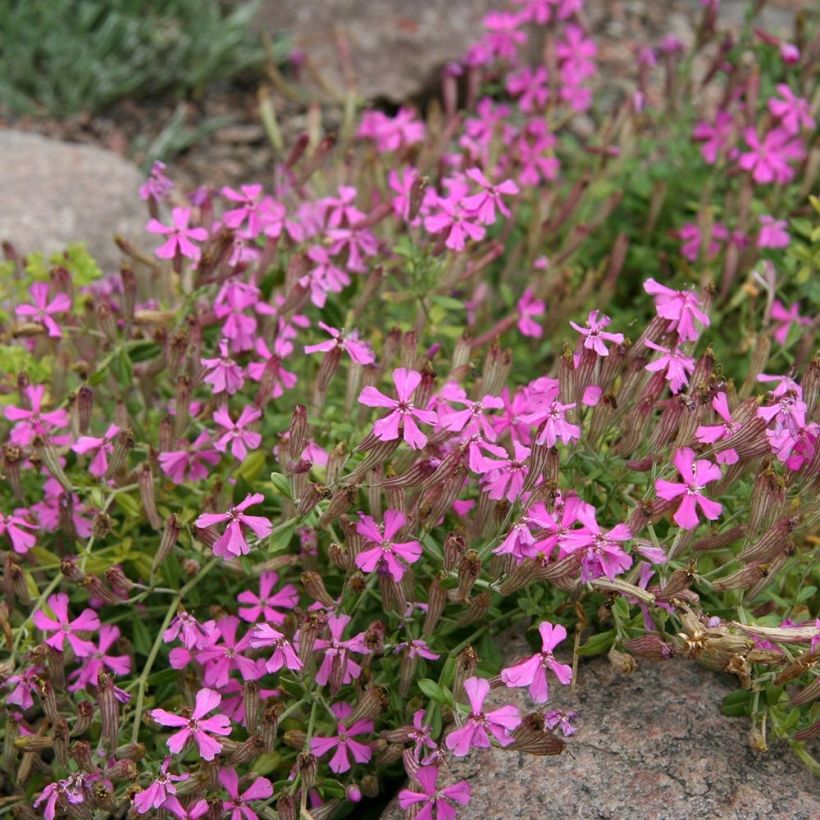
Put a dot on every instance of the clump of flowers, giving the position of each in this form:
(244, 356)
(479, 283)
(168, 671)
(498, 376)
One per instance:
(272, 494)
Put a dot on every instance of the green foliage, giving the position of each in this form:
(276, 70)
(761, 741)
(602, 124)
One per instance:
(67, 56)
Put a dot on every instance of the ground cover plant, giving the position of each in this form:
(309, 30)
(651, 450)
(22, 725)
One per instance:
(273, 490)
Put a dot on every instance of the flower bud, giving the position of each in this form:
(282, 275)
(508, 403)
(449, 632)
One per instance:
(48, 456)
(772, 543)
(478, 608)
(169, 538)
(145, 481)
(84, 406)
(624, 663)
(314, 622)
(315, 587)
(109, 712)
(767, 500)
(371, 704)
(436, 598)
(531, 737)
(119, 582)
(123, 442)
(469, 568)
(270, 723)
(85, 714)
(297, 432)
(466, 663)
(286, 806)
(370, 786)
(497, 366)
(307, 766)
(12, 458)
(248, 750)
(650, 646)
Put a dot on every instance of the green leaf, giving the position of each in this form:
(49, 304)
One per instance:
(281, 484)
(435, 692)
(598, 644)
(737, 704)
(142, 640)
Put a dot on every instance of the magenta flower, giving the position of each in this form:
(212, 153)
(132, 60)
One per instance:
(157, 186)
(553, 423)
(260, 789)
(42, 310)
(774, 233)
(197, 727)
(561, 720)
(500, 723)
(62, 794)
(386, 555)
(674, 363)
(266, 605)
(240, 439)
(224, 374)
(453, 222)
(190, 463)
(532, 672)
(416, 648)
(98, 660)
(528, 308)
(16, 526)
(271, 365)
(401, 421)
(437, 803)
(65, 629)
(199, 808)
(695, 475)
(711, 433)
(100, 447)
(793, 112)
(161, 788)
(681, 307)
(233, 541)
(284, 655)
(248, 200)
(224, 655)
(33, 422)
(603, 553)
(714, 136)
(338, 652)
(324, 278)
(191, 633)
(179, 236)
(594, 334)
(786, 317)
(483, 204)
(343, 743)
(505, 478)
(358, 351)
(768, 160)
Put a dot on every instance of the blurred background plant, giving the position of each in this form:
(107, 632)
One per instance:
(64, 57)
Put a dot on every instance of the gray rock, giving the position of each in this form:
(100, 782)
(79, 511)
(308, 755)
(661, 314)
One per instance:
(396, 46)
(55, 193)
(653, 745)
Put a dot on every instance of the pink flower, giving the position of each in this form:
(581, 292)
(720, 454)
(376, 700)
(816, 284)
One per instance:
(528, 308)
(266, 605)
(483, 205)
(16, 526)
(343, 742)
(240, 439)
(774, 233)
(260, 789)
(391, 133)
(284, 655)
(232, 541)
(553, 423)
(506, 478)
(195, 810)
(179, 236)
(197, 727)
(386, 555)
(793, 112)
(695, 475)
(714, 136)
(769, 158)
(98, 660)
(248, 199)
(603, 553)
(531, 88)
(681, 307)
(324, 278)
(594, 335)
(30, 423)
(42, 310)
(66, 630)
(190, 632)
(437, 803)
(62, 794)
(271, 367)
(674, 363)
(160, 789)
(500, 723)
(532, 672)
(359, 351)
(337, 658)
(225, 375)
(453, 221)
(101, 447)
(191, 463)
(224, 655)
(786, 317)
(401, 421)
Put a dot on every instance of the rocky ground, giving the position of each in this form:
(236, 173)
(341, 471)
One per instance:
(653, 745)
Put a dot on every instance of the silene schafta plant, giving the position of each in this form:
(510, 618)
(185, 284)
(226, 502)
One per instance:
(273, 491)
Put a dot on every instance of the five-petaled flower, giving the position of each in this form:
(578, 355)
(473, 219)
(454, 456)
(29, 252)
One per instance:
(43, 310)
(595, 335)
(385, 554)
(236, 433)
(680, 307)
(532, 671)
(695, 475)
(233, 540)
(197, 727)
(65, 629)
(343, 742)
(500, 723)
(180, 236)
(101, 448)
(237, 804)
(436, 803)
(401, 420)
